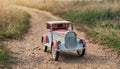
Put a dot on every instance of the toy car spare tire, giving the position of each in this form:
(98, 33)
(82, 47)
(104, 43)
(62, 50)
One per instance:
(43, 46)
(55, 54)
(81, 52)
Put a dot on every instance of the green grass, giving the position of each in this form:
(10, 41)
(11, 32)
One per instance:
(90, 17)
(5, 57)
(106, 33)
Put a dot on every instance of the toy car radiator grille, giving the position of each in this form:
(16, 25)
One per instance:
(70, 40)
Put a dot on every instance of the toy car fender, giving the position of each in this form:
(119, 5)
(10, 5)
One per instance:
(45, 38)
(83, 42)
(56, 44)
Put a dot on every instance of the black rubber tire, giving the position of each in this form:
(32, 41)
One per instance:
(42, 40)
(44, 47)
(55, 54)
(81, 53)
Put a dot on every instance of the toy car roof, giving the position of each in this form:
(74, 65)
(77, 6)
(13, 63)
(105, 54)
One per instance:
(59, 22)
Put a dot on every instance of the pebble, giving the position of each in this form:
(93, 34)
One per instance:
(39, 48)
(58, 67)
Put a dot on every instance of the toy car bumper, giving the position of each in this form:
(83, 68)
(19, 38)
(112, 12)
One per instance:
(63, 48)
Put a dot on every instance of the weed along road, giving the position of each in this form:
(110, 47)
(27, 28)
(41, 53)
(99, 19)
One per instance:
(31, 56)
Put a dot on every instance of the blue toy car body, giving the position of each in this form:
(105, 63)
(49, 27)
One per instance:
(61, 37)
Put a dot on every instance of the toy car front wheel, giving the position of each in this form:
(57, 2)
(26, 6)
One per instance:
(55, 54)
(81, 52)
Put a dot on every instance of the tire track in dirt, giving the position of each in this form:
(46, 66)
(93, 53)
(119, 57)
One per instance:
(31, 56)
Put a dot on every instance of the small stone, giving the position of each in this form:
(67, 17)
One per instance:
(35, 48)
(33, 53)
(46, 62)
(39, 48)
(58, 67)
(49, 62)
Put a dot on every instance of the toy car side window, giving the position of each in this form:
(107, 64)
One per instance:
(54, 27)
(66, 26)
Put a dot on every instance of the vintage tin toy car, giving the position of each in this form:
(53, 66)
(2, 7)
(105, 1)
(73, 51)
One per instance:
(61, 37)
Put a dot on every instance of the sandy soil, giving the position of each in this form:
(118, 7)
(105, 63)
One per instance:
(31, 56)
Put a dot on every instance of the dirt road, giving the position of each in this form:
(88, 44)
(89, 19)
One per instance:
(31, 56)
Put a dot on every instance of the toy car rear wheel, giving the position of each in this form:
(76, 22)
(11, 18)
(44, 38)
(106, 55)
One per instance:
(43, 46)
(55, 54)
(81, 52)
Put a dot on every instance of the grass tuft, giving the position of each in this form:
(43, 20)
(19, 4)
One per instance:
(5, 57)
(13, 24)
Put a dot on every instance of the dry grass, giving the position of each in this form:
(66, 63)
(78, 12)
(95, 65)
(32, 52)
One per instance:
(66, 5)
(13, 22)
